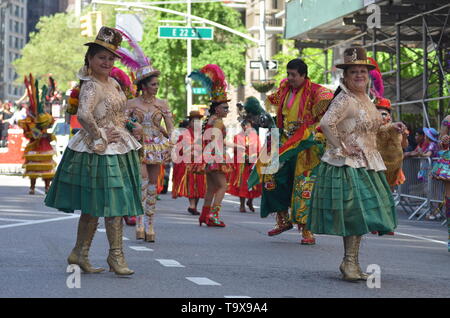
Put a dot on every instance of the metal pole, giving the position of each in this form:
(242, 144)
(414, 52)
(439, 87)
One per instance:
(374, 46)
(326, 66)
(262, 43)
(398, 80)
(425, 68)
(189, 60)
(262, 39)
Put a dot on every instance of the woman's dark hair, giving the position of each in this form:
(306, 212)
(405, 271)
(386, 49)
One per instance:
(211, 111)
(91, 52)
(299, 65)
(143, 82)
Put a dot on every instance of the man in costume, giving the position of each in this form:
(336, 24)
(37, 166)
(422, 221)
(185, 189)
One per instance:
(299, 105)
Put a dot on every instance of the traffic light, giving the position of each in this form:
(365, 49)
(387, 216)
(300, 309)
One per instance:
(86, 25)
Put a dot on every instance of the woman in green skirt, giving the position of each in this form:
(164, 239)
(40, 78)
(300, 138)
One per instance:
(351, 196)
(99, 172)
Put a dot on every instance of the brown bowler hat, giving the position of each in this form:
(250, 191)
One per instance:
(195, 114)
(355, 56)
(108, 38)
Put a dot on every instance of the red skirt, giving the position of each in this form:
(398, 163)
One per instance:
(186, 183)
(238, 182)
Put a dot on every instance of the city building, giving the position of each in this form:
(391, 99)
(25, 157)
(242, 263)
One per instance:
(39, 8)
(13, 33)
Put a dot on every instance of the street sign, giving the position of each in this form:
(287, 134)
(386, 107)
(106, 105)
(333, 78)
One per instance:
(194, 33)
(199, 91)
(270, 65)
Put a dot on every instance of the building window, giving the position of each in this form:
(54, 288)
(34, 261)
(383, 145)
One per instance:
(274, 4)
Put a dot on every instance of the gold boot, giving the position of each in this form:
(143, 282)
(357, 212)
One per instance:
(362, 275)
(150, 208)
(116, 259)
(140, 229)
(87, 226)
(349, 267)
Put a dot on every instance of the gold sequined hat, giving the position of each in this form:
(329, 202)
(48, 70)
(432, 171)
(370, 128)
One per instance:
(355, 56)
(108, 38)
(144, 72)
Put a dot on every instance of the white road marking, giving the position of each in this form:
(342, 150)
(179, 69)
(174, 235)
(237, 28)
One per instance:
(33, 212)
(39, 221)
(203, 281)
(101, 230)
(225, 200)
(125, 238)
(141, 248)
(422, 238)
(14, 220)
(169, 263)
(39, 191)
(237, 297)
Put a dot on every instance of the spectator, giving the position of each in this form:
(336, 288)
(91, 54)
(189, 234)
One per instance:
(412, 144)
(5, 115)
(422, 144)
(19, 114)
(426, 139)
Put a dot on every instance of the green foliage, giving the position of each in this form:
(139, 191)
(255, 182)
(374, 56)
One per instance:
(57, 48)
(170, 55)
(314, 58)
(54, 49)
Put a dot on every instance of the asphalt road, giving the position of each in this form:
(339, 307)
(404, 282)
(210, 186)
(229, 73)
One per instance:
(188, 261)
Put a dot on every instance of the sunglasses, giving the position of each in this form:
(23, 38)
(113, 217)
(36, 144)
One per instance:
(384, 114)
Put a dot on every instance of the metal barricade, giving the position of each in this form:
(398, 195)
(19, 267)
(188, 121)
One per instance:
(413, 193)
(416, 195)
(437, 194)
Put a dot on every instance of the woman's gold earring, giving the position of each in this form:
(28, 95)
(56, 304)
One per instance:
(89, 71)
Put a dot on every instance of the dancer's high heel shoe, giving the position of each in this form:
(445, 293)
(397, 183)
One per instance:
(213, 218)
(204, 215)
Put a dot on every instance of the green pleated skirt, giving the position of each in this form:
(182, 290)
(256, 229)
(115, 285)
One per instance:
(99, 185)
(351, 201)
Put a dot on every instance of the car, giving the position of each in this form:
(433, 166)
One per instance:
(61, 129)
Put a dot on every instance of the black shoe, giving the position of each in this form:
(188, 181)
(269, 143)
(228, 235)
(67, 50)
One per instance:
(193, 211)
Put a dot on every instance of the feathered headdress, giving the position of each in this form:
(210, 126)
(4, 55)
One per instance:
(136, 60)
(377, 78)
(213, 79)
(37, 119)
(124, 80)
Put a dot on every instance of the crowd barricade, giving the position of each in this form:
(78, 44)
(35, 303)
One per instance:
(416, 195)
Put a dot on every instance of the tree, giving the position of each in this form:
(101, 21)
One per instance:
(53, 49)
(169, 55)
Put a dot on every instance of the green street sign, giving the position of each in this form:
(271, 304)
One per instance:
(174, 32)
(199, 91)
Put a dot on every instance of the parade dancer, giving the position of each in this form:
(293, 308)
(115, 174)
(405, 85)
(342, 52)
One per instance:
(213, 155)
(390, 144)
(300, 105)
(39, 152)
(351, 196)
(441, 169)
(99, 171)
(185, 183)
(149, 111)
(244, 161)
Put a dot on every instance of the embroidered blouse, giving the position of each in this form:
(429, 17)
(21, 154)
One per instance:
(102, 106)
(352, 122)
